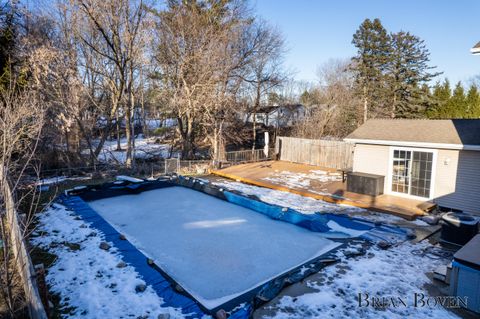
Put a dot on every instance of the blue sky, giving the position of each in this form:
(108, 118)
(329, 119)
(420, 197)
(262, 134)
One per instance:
(316, 30)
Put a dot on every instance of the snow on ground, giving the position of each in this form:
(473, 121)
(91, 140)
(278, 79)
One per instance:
(302, 180)
(87, 277)
(144, 148)
(391, 273)
(395, 272)
(45, 183)
(305, 205)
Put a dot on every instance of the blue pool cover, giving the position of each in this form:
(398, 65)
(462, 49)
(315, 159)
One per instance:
(164, 286)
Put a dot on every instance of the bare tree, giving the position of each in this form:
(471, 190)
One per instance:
(200, 53)
(113, 33)
(331, 104)
(266, 68)
(23, 109)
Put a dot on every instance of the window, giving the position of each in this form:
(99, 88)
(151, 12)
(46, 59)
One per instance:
(412, 172)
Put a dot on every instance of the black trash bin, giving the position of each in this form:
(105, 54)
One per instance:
(458, 228)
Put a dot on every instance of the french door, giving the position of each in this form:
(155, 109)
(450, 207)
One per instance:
(412, 172)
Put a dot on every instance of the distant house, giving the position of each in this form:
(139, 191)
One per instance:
(476, 49)
(436, 160)
(281, 115)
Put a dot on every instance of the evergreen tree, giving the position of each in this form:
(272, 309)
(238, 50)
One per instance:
(370, 64)
(408, 72)
(8, 36)
(473, 102)
(441, 95)
(457, 105)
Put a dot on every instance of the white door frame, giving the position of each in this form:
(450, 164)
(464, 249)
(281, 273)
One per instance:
(390, 172)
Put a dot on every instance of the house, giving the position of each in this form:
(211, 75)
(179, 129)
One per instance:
(476, 49)
(281, 115)
(436, 160)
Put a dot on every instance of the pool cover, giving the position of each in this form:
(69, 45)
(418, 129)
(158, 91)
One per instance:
(213, 252)
(214, 249)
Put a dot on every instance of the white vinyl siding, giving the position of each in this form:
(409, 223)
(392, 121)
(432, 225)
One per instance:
(372, 159)
(457, 183)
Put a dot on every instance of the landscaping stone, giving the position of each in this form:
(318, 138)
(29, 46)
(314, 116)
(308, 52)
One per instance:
(104, 245)
(383, 244)
(221, 314)
(163, 316)
(121, 264)
(140, 288)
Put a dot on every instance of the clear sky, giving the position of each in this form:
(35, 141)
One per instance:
(317, 30)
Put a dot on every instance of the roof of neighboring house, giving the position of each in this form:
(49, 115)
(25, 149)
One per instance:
(476, 48)
(449, 134)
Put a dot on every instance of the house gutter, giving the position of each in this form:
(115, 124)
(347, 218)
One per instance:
(464, 147)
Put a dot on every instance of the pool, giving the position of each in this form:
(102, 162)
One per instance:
(214, 249)
(203, 248)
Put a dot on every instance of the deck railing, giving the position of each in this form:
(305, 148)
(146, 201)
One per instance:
(249, 156)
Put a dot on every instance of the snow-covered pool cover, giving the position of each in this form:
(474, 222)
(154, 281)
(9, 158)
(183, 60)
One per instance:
(214, 249)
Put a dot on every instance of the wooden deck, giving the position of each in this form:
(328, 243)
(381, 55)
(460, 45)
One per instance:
(320, 183)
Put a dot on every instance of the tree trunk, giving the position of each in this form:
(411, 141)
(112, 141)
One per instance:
(128, 132)
(394, 104)
(365, 104)
(186, 131)
(254, 115)
(117, 125)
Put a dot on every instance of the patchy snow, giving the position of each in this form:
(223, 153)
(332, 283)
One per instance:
(302, 180)
(128, 179)
(59, 179)
(349, 231)
(144, 148)
(233, 248)
(86, 277)
(306, 205)
(391, 273)
(395, 272)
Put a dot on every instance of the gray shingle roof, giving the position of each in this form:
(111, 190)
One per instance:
(461, 132)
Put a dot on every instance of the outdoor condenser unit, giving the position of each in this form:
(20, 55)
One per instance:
(465, 277)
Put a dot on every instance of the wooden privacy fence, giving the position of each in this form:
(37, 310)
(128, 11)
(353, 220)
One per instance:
(22, 258)
(325, 153)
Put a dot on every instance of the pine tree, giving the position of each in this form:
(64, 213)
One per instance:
(408, 71)
(473, 102)
(369, 65)
(8, 38)
(457, 105)
(441, 95)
